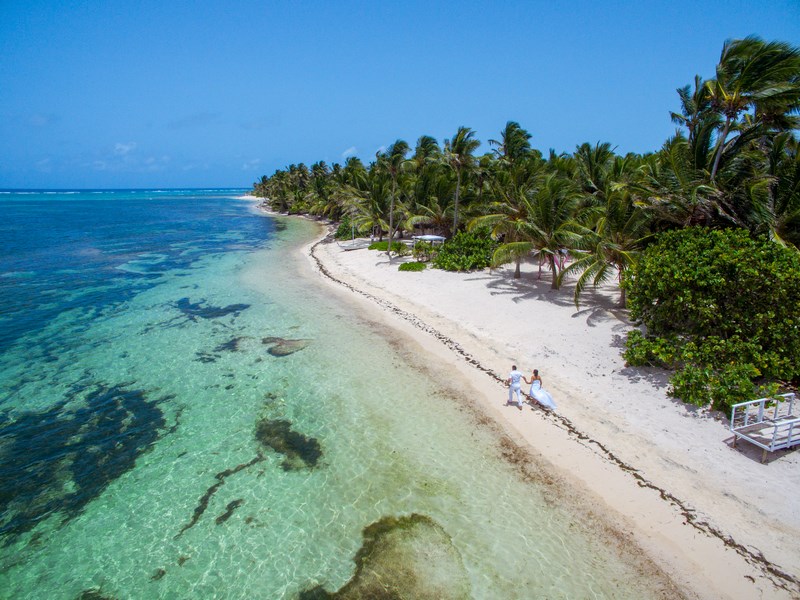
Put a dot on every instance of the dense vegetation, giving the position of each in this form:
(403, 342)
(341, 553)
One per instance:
(733, 164)
(719, 307)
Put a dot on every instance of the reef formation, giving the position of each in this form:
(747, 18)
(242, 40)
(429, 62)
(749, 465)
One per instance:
(403, 557)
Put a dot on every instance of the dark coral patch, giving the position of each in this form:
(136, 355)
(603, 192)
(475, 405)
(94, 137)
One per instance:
(232, 506)
(220, 477)
(284, 347)
(205, 357)
(56, 461)
(299, 451)
(193, 310)
(231, 345)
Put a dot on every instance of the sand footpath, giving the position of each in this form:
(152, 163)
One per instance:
(716, 520)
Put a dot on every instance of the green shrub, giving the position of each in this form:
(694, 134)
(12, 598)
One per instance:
(397, 247)
(424, 251)
(719, 307)
(466, 251)
(412, 266)
(345, 229)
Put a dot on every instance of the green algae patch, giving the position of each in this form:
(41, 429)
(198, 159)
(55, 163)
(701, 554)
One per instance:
(403, 557)
(298, 450)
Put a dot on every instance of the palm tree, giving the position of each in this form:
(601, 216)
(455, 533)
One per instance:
(424, 170)
(675, 191)
(392, 161)
(695, 105)
(533, 216)
(367, 205)
(611, 235)
(434, 214)
(426, 151)
(508, 219)
(554, 206)
(592, 167)
(753, 74)
(700, 121)
(514, 143)
(354, 173)
(775, 196)
(458, 156)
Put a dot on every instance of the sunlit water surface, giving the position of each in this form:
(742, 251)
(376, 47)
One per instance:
(134, 378)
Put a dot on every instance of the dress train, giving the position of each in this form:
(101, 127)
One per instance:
(543, 397)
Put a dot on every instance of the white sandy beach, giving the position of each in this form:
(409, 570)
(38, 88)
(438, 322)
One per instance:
(663, 475)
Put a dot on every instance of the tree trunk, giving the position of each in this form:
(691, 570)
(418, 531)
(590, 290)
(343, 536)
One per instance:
(554, 269)
(517, 273)
(720, 144)
(455, 212)
(391, 221)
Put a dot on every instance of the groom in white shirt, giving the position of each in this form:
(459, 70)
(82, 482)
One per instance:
(514, 382)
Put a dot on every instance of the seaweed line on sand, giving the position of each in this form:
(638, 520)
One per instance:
(755, 557)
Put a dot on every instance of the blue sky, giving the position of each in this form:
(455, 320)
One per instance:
(195, 94)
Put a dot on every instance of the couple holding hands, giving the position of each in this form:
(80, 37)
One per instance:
(514, 381)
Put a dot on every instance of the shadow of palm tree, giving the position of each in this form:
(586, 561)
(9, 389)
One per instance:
(596, 304)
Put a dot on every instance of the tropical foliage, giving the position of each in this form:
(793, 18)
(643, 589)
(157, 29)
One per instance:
(719, 307)
(466, 251)
(587, 216)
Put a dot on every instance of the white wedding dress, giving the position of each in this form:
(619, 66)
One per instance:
(543, 397)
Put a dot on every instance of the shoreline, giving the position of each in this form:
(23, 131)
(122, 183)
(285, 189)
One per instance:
(665, 506)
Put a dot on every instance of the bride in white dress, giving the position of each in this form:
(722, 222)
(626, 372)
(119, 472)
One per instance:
(542, 396)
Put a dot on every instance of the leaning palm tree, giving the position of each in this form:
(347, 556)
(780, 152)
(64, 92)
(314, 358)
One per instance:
(752, 73)
(458, 156)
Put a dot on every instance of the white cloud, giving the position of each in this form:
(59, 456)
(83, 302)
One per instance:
(252, 165)
(122, 149)
(155, 163)
(351, 151)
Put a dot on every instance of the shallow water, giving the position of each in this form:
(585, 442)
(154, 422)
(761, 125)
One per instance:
(134, 377)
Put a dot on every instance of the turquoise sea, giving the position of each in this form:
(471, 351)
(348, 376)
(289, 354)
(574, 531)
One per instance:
(184, 415)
